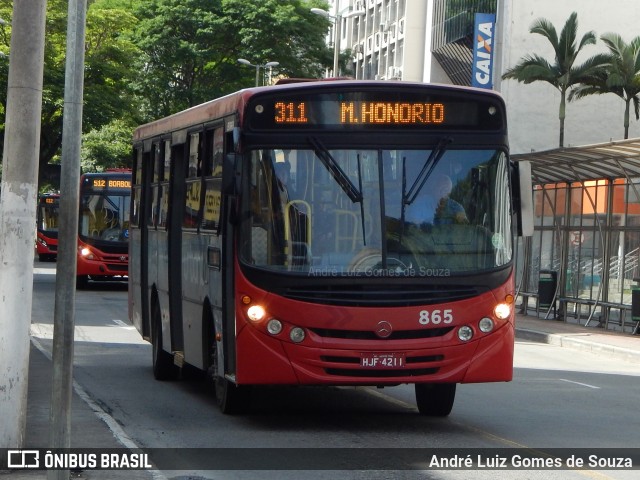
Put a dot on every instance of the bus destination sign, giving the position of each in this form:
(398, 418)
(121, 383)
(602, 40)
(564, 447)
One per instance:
(106, 183)
(410, 110)
(366, 113)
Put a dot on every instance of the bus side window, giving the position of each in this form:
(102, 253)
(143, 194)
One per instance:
(137, 189)
(212, 171)
(217, 152)
(194, 157)
(212, 200)
(155, 188)
(163, 194)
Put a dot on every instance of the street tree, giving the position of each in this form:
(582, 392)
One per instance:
(109, 70)
(107, 147)
(563, 73)
(191, 47)
(620, 75)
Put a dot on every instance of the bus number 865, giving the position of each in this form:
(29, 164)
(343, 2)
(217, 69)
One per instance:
(435, 317)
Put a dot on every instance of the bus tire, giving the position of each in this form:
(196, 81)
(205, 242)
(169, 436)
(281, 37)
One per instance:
(231, 398)
(435, 399)
(82, 282)
(163, 367)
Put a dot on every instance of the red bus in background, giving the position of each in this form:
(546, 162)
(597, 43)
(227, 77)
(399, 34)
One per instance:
(103, 226)
(47, 226)
(329, 233)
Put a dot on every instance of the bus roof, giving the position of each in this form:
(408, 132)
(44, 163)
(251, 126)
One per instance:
(234, 103)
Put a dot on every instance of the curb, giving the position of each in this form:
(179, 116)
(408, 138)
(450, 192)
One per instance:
(573, 341)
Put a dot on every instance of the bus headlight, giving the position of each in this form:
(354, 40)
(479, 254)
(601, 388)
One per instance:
(485, 325)
(86, 252)
(296, 334)
(274, 327)
(502, 311)
(256, 313)
(465, 333)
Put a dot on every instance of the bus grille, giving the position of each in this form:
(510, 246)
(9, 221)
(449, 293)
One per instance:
(380, 295)
(405, 372)
(369, 335)
(118, 267)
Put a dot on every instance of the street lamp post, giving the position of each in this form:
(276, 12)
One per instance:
(337, 32)
(258, 67)
(337, 21)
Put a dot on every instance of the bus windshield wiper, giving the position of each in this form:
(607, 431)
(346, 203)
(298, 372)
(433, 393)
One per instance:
(336, 172)
(425, 172)
(341, 178)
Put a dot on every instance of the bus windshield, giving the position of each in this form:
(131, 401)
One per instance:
(47, 216)
(382, 212)
(105, 216)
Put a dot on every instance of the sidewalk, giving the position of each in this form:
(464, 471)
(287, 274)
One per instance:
(624, 346)
(90, 429)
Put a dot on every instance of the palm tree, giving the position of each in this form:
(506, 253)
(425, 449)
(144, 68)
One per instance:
(620, 75)
(562, 74)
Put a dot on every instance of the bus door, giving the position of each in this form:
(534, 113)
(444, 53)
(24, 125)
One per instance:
(174, 238)
(138, 239)
(219, 260)
(150, 176)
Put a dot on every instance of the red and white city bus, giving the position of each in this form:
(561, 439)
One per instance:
(103, 226)
(328, 233)
(47, 226)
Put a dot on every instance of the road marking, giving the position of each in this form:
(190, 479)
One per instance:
(578, 383)
(593, 474)
(118, 432)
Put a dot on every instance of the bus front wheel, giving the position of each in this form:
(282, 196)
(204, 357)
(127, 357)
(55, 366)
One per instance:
(230, 397)
(435, 399)
(82, 282)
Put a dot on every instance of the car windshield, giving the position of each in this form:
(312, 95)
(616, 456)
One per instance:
(377, 212)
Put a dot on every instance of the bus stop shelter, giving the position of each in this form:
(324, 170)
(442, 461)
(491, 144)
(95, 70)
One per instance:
(583, 262)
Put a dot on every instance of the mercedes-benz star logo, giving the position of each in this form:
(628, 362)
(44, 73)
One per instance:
(384, 329)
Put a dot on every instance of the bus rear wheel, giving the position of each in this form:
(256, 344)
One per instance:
(435, 399)
(163, 367)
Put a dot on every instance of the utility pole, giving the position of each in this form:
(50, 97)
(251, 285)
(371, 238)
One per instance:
(64, 311)
(18, 213)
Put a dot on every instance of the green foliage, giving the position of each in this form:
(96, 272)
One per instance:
(107, 147)
(619, 74)
(190, 47)
(109, 57)
(150, 58)
(562, 73)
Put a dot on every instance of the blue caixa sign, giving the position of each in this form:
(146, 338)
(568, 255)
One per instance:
(483, 33)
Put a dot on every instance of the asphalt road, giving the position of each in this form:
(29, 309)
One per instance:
(559, 398)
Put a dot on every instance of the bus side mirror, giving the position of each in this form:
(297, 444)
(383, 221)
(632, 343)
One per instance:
(523, 197)
(229, 174)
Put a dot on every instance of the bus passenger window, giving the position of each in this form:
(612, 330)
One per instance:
(194, 158)
(218, 152)
(192, 205)
(212, 200)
